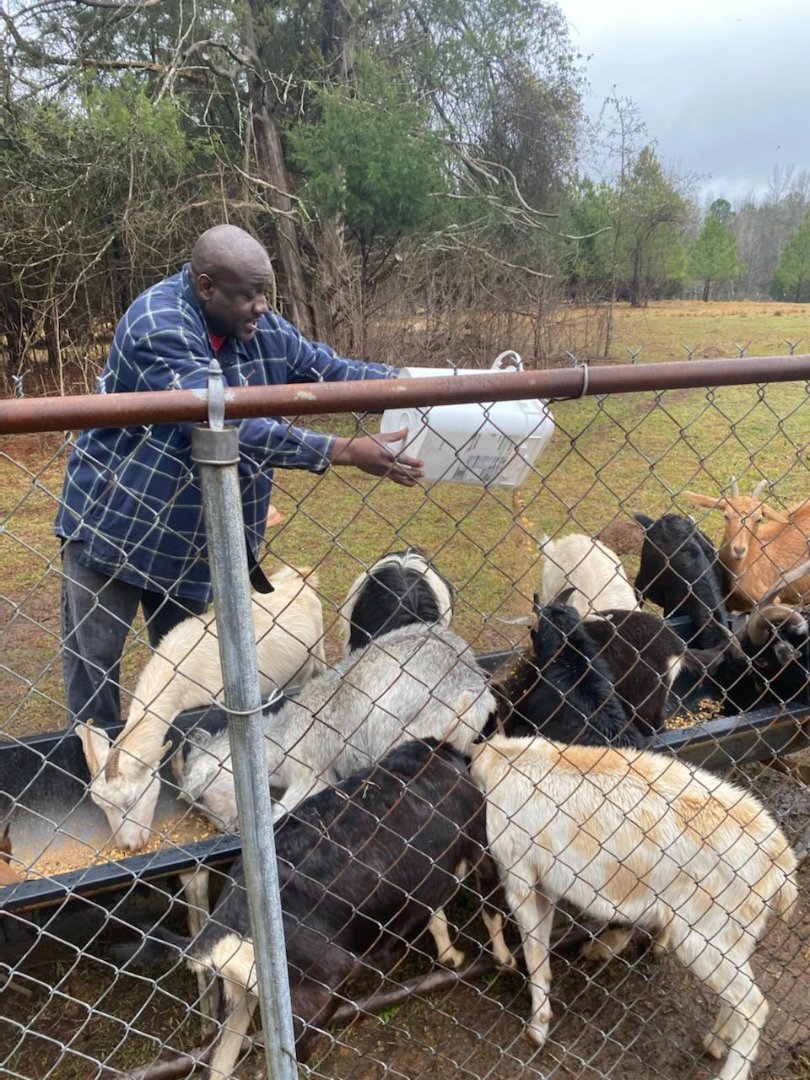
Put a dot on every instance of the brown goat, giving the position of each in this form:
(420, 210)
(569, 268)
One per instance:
(760, 544)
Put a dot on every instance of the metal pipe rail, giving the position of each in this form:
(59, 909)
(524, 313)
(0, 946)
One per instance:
(28, 415)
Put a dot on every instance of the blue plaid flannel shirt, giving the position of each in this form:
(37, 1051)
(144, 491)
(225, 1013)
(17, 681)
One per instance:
(131, 495)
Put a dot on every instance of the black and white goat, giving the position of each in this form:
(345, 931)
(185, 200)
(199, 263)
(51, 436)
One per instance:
(364, 869)
(681, 571)
(400, 589)
(416, 682)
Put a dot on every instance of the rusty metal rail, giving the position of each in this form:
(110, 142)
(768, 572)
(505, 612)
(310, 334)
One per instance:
(27, 415)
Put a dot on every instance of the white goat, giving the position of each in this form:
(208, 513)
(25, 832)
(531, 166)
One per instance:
(416, 682)
(184, 673)
(643, 838)
(591, 569)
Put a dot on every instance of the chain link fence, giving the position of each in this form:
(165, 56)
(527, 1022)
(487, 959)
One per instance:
(420, 893)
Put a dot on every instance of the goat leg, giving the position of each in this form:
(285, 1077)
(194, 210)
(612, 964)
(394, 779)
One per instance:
(195, 884)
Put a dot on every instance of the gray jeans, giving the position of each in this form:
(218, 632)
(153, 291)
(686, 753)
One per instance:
(97, 614)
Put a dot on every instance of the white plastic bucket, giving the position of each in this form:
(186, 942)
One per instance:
(487, 443)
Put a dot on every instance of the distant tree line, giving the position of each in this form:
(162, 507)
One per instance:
(416, 169)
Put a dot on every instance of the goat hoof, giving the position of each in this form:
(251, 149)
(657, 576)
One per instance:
(537, 1034)
(507, 961)
(714, 1046)
(452, 957)
(596, 951)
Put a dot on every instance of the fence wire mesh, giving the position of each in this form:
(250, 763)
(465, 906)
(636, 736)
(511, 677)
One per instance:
(395, 875)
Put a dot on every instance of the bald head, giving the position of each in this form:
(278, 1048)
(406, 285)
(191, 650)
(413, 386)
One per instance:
(227, 249)
(233, 279)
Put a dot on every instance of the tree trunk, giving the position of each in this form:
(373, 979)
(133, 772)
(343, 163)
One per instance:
(333, 294)
(635, 284)
(707, 290)
(273, 169)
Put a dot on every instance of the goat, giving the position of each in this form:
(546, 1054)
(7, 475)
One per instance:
(565, 690)
(401, 588)
(645, 656)
(644, 838)
(759, 544)
(364, 869)
(593, 571)
(767, 663)
(680, 570)
(183, 673)
(416, 682)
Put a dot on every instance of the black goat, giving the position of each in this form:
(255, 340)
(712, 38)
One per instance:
(645, 656)
(565, 691)
(364, 869)
(680, 570)
(401, 588)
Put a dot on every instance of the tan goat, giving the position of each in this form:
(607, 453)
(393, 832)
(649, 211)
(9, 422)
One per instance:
(639, 837)
(760, 544)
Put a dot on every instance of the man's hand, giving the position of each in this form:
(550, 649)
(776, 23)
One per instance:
(371, 454)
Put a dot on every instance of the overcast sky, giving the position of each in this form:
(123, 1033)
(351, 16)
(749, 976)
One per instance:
(722, 85)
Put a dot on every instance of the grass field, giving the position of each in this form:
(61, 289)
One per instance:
(609, 456)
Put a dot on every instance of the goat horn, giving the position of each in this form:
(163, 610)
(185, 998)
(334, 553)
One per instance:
(565, 596)
(735, 491)
(515, 620)
(757, 623)
(760, 489)
(111, 769)
(784, 580)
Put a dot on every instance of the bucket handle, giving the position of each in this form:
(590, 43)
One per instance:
(508, 358)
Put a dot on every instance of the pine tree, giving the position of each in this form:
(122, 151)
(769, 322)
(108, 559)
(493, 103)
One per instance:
(714, 257)
(791, 281)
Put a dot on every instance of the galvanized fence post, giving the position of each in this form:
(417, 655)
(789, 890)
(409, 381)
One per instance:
(215, 450)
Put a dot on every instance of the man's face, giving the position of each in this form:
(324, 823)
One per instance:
(233, 302)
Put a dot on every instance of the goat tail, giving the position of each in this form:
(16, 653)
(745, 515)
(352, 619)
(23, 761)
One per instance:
(157, 945)
(786, 893)
(785, 899)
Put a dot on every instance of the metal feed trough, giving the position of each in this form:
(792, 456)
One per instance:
(43, 789)
(44, 778)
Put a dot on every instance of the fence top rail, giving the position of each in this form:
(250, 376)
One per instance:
(27, 415)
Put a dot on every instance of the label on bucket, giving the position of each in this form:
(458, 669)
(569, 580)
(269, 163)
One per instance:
(481, 461)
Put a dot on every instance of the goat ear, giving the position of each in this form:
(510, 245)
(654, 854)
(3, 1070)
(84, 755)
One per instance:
(644, 521)
(774, 515)
(709, 501)
(96, 745)
(178, 764)
(565, 596)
